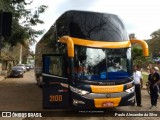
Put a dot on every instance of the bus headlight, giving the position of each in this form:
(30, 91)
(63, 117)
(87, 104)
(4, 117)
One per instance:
(130, 90)
(79, 91)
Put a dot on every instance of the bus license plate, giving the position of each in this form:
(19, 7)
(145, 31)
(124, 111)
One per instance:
(108, 104)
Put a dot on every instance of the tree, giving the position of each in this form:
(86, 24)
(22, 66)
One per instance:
(22, 27)
(132, 36)
(154, 44)
(23, 20)
(155, 34)
(138, 58)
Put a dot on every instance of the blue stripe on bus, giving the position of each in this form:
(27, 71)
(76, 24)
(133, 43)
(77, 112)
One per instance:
(104, 76)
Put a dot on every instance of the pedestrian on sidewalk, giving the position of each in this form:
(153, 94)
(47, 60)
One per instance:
(154, 80)
(156, 69)
(137, 77)
(149, 67)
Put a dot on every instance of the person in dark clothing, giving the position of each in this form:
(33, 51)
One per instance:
(137, 77)
(154, 80)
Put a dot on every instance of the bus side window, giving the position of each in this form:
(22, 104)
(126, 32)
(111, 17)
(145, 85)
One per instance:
(54, 65)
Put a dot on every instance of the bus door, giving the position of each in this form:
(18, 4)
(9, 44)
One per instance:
(55, 82)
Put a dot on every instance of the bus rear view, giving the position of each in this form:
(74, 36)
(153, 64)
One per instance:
(90, 65)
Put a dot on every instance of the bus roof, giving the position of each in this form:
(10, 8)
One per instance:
(91, 25)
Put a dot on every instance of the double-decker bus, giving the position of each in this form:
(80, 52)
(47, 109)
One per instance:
(85, 61)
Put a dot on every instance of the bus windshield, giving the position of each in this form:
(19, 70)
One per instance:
(101, 64)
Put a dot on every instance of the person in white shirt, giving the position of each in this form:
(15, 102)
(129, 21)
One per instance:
(137, 77)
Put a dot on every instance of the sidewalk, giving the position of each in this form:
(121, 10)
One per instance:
(2, 77)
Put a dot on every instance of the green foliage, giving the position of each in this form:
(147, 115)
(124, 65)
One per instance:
(155, 34)
(145, 78)
(132, 36)
(23, 20)
(154, 46)
(136, 52)
(154, 43)
(138, 58)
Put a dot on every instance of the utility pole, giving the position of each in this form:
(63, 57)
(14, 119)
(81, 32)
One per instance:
(20, 55)
(1, 37)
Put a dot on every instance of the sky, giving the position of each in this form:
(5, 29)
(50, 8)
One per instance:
(141, 17)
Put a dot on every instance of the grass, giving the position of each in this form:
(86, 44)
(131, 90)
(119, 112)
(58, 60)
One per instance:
(145, 78)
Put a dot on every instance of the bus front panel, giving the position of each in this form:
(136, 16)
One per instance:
(104, 77)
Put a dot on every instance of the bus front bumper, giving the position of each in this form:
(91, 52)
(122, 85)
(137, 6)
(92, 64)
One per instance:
(85, 102)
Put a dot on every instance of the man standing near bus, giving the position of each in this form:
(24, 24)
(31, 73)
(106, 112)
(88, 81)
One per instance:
(137, 77)
(154, 80)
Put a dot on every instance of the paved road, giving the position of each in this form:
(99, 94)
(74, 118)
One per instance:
(22, 94)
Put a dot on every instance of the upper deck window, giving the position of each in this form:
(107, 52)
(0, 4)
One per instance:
(92, 26)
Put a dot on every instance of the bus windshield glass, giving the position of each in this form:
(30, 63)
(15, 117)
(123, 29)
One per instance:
(101, 64)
